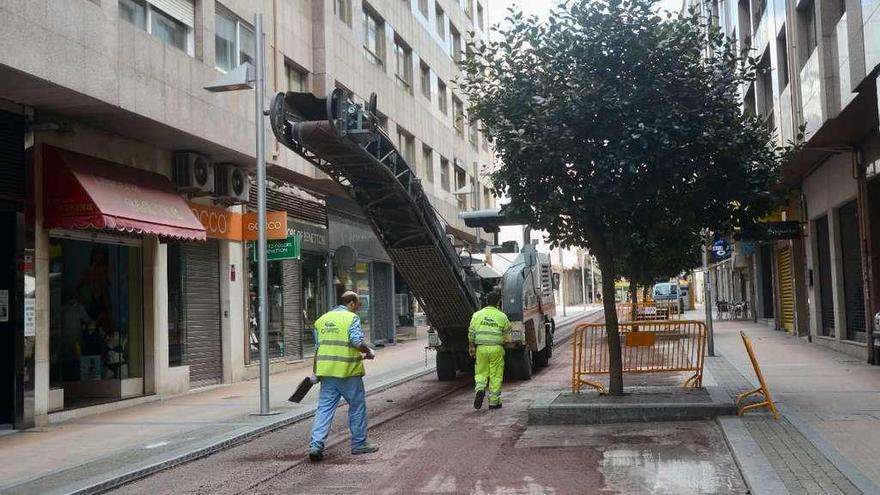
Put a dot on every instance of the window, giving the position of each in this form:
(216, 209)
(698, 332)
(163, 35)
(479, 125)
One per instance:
(383, 122)
(474, 134)
(441, 97)
(428, 160)
(403, 67)
(297, 79)
(374, 39)
(481, 16)
(469, 8)
(444, 173)
(425, 77)
(423, 8)
(455, 44)
(487, 198)
(806, 15)
(173, 27)
(342, 10)
(460, 183)
(441, 21)
(458, 115)
(234, 41)
(485, 140)
(853, 289)
(134, 11)
(760, 6)
(406, 143)
(782, 57)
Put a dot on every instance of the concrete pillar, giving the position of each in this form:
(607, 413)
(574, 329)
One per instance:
(41, 272)
(233, 311)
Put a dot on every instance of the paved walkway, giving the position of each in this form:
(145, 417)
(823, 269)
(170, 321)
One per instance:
(86, 450)
(828, 440)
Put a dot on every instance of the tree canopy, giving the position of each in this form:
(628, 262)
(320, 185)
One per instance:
(621, 130)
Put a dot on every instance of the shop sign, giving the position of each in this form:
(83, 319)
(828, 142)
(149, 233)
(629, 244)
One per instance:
(219, 223)
(276, 226)
(313, 238)
(721, 250)
(30, 317)
(774, 231)
(277, 250)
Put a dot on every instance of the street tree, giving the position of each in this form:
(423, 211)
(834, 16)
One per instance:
(617, 128)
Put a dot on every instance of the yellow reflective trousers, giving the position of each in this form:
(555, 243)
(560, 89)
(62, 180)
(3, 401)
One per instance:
(489, 368)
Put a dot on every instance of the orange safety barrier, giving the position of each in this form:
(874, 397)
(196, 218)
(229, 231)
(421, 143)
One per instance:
(646, 347)
(763, 391)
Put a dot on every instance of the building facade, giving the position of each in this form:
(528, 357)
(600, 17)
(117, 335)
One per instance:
(818, 62)
(119, 285)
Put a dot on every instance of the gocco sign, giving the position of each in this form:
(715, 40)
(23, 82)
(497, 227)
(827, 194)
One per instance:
(276, 226)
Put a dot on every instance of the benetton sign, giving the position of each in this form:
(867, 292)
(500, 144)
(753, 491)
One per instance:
(277, 250)
(224, 224)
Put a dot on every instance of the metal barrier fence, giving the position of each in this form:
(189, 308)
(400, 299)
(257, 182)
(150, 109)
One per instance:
(648, 311)
(646, 347)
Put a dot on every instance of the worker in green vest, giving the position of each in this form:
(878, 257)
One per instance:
(339, 367)
(486, 335)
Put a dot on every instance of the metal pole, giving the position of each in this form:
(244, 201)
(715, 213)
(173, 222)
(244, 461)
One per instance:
(561, 281)
(707, 303)
(592, 280)
(263, 290)
(583, 282)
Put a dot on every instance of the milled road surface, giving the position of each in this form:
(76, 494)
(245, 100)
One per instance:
(433, 441)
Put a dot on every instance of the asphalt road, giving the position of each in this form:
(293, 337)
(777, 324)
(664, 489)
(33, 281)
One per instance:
(433, 441)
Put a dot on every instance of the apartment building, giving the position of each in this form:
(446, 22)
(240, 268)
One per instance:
(818, 62)
(122, 285)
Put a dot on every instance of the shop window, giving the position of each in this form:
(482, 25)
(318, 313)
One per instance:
(176, 308)
(358, 281)
(275, 304)
(314, 295)
(234, 41)
(95, 318)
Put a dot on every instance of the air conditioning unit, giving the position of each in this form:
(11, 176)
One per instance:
(231, 183)
(193, 173)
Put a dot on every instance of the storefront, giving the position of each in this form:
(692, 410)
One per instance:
(16, 341)
(297, 282)
(103, 221)
(360, 264)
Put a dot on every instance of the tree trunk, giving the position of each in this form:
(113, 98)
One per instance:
(633, 300)
(615, 361)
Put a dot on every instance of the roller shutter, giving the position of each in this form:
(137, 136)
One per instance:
(823, 259)
(12, 159)
(851, 257)
(182, 10)
(202, 302)
(293, 315)
(381, 289)
(786, 288)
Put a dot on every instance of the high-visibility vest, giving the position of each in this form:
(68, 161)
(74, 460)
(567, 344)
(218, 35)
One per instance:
(336, 357)
(488, 326)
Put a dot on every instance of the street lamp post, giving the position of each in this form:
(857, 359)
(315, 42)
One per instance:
(707, 296)
(247, 77)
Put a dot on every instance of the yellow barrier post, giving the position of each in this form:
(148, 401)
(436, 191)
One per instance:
(763, 390)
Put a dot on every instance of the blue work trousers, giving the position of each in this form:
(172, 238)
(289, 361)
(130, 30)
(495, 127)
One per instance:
(333, 389)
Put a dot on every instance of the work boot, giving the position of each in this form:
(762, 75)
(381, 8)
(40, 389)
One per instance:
(495, 406)
(367, 448)
(316, 455)
(478, 399)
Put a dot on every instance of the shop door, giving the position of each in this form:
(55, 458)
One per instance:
(202, 306)
(8, 330)
(851, 256)
(823, 259)
(383, 303)
(785, 274)
(767, 281)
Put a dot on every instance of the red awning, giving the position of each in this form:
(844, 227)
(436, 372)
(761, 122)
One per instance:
(82, 192)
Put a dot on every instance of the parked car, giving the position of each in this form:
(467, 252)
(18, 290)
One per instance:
(669, 292)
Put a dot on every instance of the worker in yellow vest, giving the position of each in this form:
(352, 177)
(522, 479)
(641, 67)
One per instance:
(339, 367)
(486, 334)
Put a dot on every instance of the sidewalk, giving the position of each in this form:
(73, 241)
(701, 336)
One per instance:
(72, 456)
(828, 440)
(78, 453)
